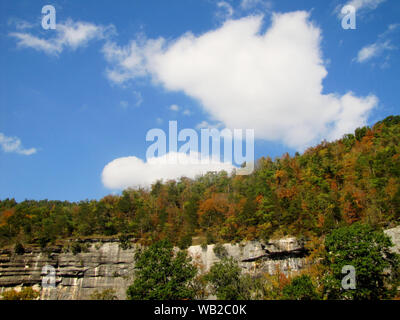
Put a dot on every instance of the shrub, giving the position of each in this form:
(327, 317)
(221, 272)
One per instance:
(19, 248)
(300, 288)
(76, 248)
(185, 242)
(220, 251)
(106, 294)
(26, 293)
(124, 242)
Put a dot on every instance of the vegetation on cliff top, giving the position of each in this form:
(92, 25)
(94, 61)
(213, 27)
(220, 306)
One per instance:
(356, 178)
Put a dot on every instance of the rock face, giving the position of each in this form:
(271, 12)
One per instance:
(77, 276)
(105, 265)
(286, 254)
(394, 234)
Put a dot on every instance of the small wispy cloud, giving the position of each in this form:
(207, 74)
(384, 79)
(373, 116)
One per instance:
(70, 34)
(251, 4)
(14, 145)
(174, 107)
(379, 47)
(159, 120)
(373, 50)
(138, 97)
(225, 10)
(129, 61)
(20, 24)
(361, 6)
(206, 125)
(138, 100)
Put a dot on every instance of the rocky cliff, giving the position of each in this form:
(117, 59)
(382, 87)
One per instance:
(104, 264)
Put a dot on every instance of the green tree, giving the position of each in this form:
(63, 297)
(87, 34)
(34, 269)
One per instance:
(226, 280)
(162, 274)
(368, 251)
(300, 288)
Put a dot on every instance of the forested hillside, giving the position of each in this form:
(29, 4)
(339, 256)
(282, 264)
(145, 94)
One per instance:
(333, 184)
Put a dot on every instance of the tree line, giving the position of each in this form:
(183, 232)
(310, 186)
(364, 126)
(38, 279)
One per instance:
(331, 185)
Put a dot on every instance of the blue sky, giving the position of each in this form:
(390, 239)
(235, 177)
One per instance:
(75, 99)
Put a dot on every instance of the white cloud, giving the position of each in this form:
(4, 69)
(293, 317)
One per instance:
(365, 4)
(139, 98)
(14, 144)
(367, 53)
(271, 82)
(226, 11)
(174, 107)
(353, 113)
(127, 172)
(373, 50)
(205, 125)
(379, 47)
(29, 41)
(250, 4)
(67, 35)
(130, 61)
(361, 6)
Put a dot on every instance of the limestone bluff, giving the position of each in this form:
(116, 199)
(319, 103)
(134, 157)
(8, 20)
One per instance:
(106, 265)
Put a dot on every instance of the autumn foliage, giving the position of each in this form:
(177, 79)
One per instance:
(356, 178)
